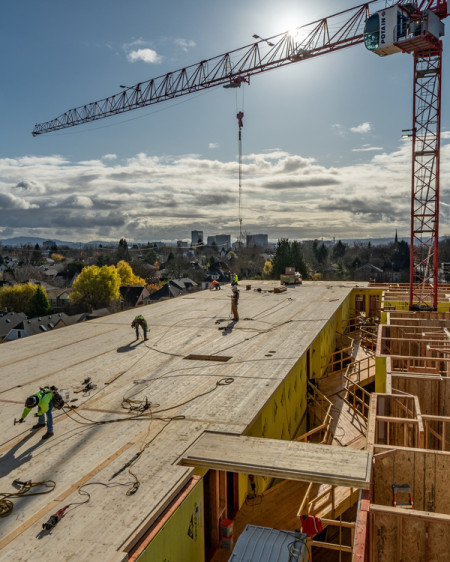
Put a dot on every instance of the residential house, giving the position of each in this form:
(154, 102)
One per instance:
(133, 296)
(173, 288)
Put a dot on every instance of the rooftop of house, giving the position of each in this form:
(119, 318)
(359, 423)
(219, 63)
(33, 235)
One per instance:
(177, 372)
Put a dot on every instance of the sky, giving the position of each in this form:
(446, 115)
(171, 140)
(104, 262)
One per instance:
(322, 153)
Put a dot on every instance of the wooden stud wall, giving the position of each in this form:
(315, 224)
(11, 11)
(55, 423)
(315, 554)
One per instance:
(426, 472)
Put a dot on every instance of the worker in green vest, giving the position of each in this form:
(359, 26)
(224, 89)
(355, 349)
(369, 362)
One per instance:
(142, 322)
(44, 402)
(234, 280)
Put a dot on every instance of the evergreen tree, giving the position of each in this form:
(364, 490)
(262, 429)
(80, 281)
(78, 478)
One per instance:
(339, 250)
(297, 258)
(281, 259)
(122, 251)
(36, 256)
(322, 254)
(288, 254)
(39, 305)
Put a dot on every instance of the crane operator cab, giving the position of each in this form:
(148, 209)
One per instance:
(402, 29)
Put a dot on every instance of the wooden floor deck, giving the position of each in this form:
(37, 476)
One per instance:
(274, 331)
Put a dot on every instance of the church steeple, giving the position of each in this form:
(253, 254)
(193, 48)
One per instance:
(396, 237)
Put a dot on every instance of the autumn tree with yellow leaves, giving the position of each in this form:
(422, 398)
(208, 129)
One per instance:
(96, 287)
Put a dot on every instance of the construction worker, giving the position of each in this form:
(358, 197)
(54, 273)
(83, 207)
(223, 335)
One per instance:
(234, 303)
(215, 286)
(142, 322)
(234, 280)
(44, 401)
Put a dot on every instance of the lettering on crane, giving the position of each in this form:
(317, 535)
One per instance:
(383, 28)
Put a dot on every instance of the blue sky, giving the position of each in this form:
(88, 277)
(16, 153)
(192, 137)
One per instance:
(322, 148)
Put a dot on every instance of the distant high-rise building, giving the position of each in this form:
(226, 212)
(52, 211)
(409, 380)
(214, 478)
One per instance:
(222, 241)
(196, 237)
(260, 240)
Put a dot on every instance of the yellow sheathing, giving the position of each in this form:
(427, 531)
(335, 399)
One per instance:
(182, 537)
(380, 374)
(283, 417)
(367, 292)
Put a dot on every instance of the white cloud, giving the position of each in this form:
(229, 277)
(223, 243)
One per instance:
(213, 145)
(150, 198)
(363, 128)
(146, 55)
(367, 148)
(185, 44)
(109, 157)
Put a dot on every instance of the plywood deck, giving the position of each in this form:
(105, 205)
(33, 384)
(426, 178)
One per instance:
(104, 349)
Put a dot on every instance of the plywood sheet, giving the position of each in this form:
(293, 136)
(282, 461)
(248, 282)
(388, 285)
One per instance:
(290, 460)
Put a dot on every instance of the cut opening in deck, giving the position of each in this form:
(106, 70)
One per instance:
(221, 358)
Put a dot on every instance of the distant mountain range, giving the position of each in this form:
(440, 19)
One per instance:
(33, 240)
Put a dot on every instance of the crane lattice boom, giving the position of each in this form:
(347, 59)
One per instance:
(230, 68)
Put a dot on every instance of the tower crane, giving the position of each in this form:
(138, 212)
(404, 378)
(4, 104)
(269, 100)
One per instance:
(413, 27)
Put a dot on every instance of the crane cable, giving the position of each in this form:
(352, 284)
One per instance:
(240, 116)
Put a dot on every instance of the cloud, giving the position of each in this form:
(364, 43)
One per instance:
(185, 44)
(213, 145)
(109, 157)
(147, 197)
(29, 186)
(367, 148)
(363, 128)
(8, 202)
(145, 55)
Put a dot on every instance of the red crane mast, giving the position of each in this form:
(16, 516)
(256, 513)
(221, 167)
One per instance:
(414, 27)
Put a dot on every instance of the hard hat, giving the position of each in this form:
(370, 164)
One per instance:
(31, 401)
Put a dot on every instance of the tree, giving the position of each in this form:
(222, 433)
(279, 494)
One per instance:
(282, 257)
(72, 269)
(341, 270)
(96, 286)
(36, 256)
(17, 298)
(267, 269)
(339, 250)
(122, 250)
(320, 252)
(297, 258)
(401, 256)
(150, 256)
(127, 277)
(39, 305)
(288, 254)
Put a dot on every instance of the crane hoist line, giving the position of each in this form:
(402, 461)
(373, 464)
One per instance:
(413, 27)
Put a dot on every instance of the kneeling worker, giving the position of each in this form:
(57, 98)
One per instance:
(44, 401)
(142, 322)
